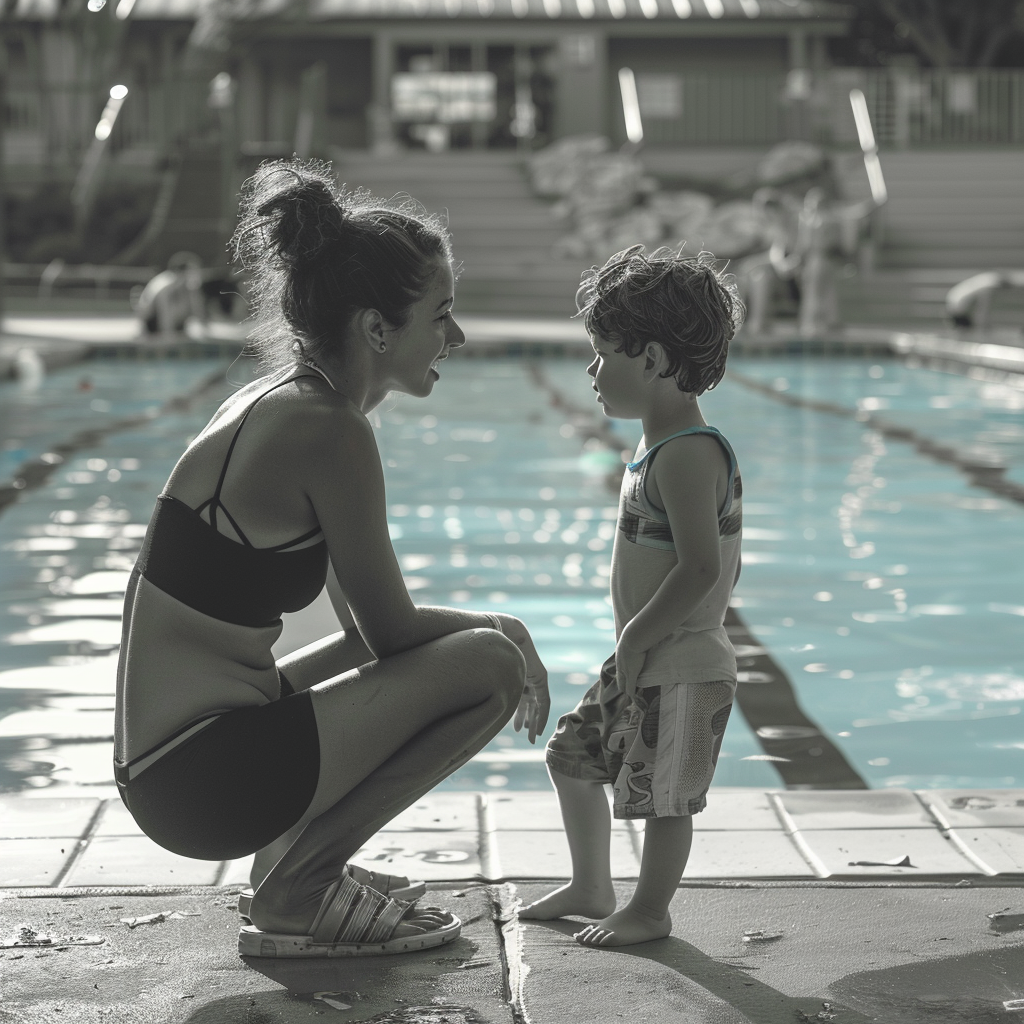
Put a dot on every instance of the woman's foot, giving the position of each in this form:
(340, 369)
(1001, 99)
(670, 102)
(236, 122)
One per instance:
(376, 880)
(625, 928)
(395, 886)
(298, 917)
(571, 901)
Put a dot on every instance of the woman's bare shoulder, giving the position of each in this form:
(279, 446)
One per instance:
(308, 419)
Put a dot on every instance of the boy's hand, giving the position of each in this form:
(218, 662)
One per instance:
(536, 702)
(629, 663)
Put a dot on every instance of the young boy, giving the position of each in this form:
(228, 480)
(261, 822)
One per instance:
(652, 725)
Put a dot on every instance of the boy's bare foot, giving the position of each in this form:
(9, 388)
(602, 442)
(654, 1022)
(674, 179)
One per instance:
(623, 929)
(570, 901)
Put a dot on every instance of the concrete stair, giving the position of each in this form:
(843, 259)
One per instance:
(916, 298)
(192, 220)
(950, 214)
(962, 209)
(503, 235)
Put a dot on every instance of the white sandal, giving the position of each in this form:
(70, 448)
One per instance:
(378, 882)
(352, 921)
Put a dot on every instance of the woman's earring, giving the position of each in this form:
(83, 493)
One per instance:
(383, 347)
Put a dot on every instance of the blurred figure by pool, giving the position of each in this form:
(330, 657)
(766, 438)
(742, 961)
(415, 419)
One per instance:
(969, 302)
(173, 296)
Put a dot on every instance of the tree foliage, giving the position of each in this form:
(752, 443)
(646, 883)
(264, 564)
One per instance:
(940, 33)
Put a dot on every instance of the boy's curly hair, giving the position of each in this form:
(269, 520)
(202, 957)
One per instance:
(684, 303)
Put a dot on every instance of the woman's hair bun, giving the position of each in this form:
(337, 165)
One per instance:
(315, 253)
(293, 210)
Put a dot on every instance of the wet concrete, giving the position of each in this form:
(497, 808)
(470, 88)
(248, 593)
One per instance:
(185, 968)
(885, 954)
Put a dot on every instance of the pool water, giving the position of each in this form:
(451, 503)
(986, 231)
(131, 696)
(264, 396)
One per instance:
(881, 580)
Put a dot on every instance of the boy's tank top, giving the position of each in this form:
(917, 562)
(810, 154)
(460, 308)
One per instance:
(698, 650)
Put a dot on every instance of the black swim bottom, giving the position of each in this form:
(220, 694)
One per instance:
(233, 787)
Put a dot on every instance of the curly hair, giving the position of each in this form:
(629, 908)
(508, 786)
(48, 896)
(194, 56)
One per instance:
(684, 303)
(317, 254)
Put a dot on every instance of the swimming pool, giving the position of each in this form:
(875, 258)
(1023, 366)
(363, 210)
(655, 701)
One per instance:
(882, 583)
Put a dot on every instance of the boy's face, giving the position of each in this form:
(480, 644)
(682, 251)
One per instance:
(618, 380)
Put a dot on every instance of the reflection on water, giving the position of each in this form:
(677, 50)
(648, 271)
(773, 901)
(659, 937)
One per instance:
(883, 583)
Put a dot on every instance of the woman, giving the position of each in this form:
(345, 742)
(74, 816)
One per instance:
(220, 752)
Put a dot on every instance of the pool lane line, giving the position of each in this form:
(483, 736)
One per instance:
(793, 743)
(980, 474)
(35, 472)
(799, 749)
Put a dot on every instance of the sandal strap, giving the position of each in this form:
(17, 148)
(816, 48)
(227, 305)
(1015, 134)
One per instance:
(383, 888)
(387, 921)
(351, 912)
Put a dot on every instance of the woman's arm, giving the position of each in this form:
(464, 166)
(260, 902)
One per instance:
(365, 583)
(344, 482)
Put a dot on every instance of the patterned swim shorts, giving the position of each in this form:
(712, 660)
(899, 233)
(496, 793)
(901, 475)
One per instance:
(659, 759)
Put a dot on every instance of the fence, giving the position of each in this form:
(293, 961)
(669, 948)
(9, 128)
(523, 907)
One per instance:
(908, 108)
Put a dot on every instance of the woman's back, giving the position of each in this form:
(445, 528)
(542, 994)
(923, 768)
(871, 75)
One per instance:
(233, 543)
(245, 471)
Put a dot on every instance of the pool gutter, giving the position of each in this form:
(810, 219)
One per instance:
(62, 340)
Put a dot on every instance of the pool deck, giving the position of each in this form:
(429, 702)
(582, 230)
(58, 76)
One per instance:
(891, 906)
(887, 905)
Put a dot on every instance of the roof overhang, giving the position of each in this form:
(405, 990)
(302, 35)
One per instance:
(705, 17)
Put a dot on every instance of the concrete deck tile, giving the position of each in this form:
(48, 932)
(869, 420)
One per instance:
(430, 856)
(976, 808)
(46, 819)
(536, 854)
(440, 812)
(88, 764)
(730, 854)
(137, 860)
(854, 809)
(1001, 849)
(34, 862)
(116, 820)
(744, 810)
(526, 810)
(930, 853)
(237, 872)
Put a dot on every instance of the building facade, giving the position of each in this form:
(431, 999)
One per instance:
(359, 74)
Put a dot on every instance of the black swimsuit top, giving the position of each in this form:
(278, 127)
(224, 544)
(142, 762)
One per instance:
(192, 561)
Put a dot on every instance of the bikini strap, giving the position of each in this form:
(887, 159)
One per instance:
(309, 535)
(214, 503)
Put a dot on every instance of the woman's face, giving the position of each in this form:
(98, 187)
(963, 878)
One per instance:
(429, 334)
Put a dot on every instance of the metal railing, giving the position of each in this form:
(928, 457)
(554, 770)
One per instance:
(45, 280)
(908, 108)
(55, 125)
(925, 108)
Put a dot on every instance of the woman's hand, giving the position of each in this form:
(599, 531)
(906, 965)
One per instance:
(536, 702)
